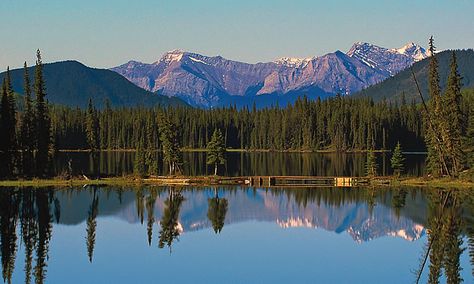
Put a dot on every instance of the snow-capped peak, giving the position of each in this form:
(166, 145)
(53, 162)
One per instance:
(293, 62)
(412, 50)
(172, 56)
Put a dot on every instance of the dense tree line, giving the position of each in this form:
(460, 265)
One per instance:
(340, 123)
(26, 137)
(445, 121)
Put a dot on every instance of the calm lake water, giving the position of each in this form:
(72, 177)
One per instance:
(242, 164)
(233, 235)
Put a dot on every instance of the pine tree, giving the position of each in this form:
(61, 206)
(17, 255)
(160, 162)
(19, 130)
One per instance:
(170, 144)
(469, 138)
(434, 124)
(7, 127)
(139, 167)
(397, 160)
(92, 127)
(27, 128)
(454, 118)
(216, 150)
(43, 121)
(371, 164)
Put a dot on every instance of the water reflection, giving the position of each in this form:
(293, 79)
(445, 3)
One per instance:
(239, 164)
(27, 216)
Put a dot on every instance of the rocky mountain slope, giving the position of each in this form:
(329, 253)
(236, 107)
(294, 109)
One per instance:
(215, 81)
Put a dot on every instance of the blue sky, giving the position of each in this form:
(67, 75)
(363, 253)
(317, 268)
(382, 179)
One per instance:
(108, 33)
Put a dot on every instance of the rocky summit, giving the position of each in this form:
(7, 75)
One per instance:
(207, 82)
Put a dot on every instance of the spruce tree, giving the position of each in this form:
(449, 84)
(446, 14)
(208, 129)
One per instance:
(371, 164)
(92, 127)
(27, 128)
(43, 121)
(454, 118)
(216, 150)
(170, 144)
(397, 160)
(433, 118)
(8, 126)
(139, 167)
(469, 138)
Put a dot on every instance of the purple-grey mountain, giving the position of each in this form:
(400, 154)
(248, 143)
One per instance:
(215, 81)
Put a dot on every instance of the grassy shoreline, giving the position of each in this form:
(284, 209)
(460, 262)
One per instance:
(388, 181)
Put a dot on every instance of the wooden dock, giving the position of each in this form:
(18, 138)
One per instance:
(305, 181)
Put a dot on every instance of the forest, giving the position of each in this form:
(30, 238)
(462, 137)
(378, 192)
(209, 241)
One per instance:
(32, 129)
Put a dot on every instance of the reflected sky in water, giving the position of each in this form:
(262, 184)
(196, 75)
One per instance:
(323, 235)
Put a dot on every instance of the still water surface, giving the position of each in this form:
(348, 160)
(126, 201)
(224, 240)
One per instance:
(232, 235)
(242, 164)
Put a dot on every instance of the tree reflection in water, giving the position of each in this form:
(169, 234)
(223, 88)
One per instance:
(217, 209)
(444, 248)
(170, 227)
(92, 224)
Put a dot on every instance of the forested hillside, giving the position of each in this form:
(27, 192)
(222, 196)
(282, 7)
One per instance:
(394, 87)
(71, 83)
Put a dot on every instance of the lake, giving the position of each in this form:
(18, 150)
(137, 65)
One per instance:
(234, 235)
(242, 163)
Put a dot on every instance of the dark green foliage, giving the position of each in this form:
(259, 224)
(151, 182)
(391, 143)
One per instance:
(27, 141)
(170, 143)
(454, 118)
(397, 161)
(468, 144)
(43, 122)
(371, 165)
(216, 150)
(139, 167)
(7, 127)
(92, 127)
(70, 83)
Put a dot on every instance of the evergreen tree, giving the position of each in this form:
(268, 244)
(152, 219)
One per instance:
(454, 118)
(27, 128)
(170, 144)
(469, 138)
(216, 150)
(139, 166)
(371, 164)
(397, 160)
(7, 127)
(43, 121)
(92, 127)
(433, 119)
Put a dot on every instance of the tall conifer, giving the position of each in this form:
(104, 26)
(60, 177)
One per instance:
(454, 118)
(43, 121)
(27, 128)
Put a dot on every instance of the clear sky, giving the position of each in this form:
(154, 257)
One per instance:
(108, 33)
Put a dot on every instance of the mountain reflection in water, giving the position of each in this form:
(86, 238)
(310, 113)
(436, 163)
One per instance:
(28, 216)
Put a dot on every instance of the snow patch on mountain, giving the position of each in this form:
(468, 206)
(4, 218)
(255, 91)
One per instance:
(293, 62)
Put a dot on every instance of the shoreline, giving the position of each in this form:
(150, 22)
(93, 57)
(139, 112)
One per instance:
(198, 150)
(382, 181)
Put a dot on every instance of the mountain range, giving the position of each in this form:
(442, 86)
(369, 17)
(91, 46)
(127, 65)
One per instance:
(205, 81)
